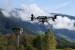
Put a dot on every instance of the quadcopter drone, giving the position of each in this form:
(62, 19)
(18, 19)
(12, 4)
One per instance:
(43, 19)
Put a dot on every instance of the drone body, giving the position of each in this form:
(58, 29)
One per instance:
(43, 19)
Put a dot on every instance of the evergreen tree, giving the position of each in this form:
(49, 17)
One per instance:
(50, 42)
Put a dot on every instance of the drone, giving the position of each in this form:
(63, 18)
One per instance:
(43, 19)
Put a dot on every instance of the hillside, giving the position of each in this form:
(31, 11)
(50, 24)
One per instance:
(6, 25)
(66, 34)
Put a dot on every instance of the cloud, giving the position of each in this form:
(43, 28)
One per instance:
(33, 8)
(25, 14)
(64, 23)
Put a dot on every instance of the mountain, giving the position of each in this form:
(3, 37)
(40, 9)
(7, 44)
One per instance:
(6, 25)
(66, 34)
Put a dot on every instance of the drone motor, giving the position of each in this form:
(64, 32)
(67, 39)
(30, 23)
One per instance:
(32, 17)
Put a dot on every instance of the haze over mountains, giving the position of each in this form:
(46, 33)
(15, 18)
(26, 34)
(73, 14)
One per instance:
(6, 25)
(64, 27)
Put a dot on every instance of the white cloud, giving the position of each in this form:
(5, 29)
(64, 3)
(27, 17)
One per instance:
(33, 8)
(64, 23)
(25, 14)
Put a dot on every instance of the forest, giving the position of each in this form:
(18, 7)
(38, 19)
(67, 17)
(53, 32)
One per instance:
(33, 42)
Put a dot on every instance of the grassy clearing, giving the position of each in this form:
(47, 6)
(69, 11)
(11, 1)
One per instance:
(66, 37)
(58, 49)
(61, 49)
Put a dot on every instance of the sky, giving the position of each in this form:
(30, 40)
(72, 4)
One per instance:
(51, 6)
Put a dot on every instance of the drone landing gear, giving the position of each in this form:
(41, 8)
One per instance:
(43, 23)
(48, 23)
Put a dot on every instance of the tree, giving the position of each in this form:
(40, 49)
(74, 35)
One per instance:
(11, 48)
(50, 42)
(11, 39)
(30, 48)
(2, 47)
(27, 40)
(39, 42)
(21, 47)
(3, 42)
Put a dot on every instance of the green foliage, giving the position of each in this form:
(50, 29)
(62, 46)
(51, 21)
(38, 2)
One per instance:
(66, 37)
(11, 39)
(3, 41)
(11, 48)
(30, 48)
(21, 47)
(33, 42)
(2, 47)
(59, 40)
(39, 42)
(66, 45)
(50, 42)
(27, 40)
(1, 34)
(41, 32)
